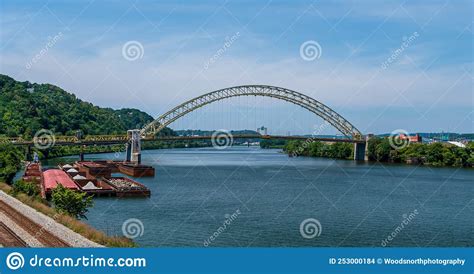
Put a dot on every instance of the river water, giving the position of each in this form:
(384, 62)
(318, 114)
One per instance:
(264, 197)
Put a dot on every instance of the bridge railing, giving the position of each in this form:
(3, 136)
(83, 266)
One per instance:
(107, 139)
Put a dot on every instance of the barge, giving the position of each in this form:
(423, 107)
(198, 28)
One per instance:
(84, 177)
(126, 187)
(136, 170)
(96, 188)
(32, 172)
(53, 177)
(94, 169)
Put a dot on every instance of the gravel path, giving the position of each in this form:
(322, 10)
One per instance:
(60, 231)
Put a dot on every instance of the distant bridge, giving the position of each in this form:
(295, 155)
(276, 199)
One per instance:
(122, 139)
(304, 101)
(134, 137)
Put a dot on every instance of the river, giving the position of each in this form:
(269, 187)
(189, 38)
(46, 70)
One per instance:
(265, 196)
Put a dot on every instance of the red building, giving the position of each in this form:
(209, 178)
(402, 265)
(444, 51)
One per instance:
(413, 139)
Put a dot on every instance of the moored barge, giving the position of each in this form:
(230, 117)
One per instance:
(126, 187)
(84, 178)
(32, 172)
(136, 170)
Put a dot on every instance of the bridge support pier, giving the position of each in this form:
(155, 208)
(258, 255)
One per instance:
(134, 154)
(360, 151)
(28, 154)
(81, 154)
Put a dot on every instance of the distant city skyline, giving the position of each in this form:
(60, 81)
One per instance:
(383, 66)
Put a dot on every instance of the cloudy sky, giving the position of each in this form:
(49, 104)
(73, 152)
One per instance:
(383, 66)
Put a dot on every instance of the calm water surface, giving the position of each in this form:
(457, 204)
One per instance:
(194, 190)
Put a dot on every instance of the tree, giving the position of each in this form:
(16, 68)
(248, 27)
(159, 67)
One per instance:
(435, 154)
(10, 161)
(382, 151)
(73, 203)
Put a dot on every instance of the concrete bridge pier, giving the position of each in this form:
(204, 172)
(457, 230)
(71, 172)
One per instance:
(360, 152)
(134, 154)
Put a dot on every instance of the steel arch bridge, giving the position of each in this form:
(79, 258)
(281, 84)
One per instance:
(297, 98)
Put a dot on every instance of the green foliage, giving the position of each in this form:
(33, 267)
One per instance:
(271, 143)
(319, 149)
(26, 108)
(435, 154)
(10, 161)
(30, 189)
(70, 202)
(379, 149)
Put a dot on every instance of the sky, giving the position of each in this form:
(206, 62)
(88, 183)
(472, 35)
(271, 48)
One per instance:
(382, 65)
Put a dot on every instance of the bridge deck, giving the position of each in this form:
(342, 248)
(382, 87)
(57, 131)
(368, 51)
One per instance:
(122, 139)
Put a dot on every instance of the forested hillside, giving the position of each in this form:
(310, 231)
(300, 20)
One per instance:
(26, 108)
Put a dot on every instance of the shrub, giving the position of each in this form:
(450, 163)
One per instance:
(72, 203)
(30, 189)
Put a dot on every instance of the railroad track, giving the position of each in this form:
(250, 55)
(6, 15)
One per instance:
(39, 232)
(8, 238)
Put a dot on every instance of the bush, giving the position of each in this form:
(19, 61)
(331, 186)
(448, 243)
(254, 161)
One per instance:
(72, 203)
(30, 189)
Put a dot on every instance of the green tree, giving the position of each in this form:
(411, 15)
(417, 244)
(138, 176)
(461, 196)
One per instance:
(73, 203)
(435, 154)
(10, 161)
(382, 151)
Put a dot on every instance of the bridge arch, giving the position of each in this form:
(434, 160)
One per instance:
(297, 98)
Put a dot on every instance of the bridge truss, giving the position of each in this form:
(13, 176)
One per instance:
(318, 108)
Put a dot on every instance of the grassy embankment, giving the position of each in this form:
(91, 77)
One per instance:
(68, 221)
(10, 162)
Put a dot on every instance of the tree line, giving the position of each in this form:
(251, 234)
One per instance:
(383, 150)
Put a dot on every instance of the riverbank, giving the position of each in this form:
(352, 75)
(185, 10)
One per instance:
(36, 229)
(69, 230)
(385, 150)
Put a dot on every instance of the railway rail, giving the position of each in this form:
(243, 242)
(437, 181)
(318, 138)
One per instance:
(38, 231)
(8, 238)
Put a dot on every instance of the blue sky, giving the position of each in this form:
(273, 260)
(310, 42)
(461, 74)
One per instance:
(383, 65)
